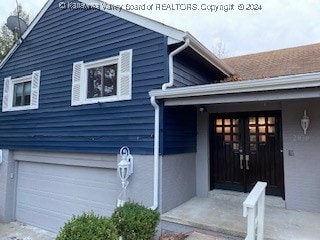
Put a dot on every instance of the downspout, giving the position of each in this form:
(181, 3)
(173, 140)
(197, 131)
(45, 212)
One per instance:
(157, 126)
(171, 55)
(156, 153)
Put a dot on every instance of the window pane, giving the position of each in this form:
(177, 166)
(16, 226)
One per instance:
(235, 129)
(235, 121)
(227, 129)
(253, 147)
(94, 82)
(18, 94)
(110, 80)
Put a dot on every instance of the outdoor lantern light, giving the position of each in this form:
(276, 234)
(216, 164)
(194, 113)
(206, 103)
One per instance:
(305, 122)
(125, 166)
(125, 169)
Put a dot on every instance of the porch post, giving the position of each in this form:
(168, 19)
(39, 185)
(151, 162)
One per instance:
(202, 155)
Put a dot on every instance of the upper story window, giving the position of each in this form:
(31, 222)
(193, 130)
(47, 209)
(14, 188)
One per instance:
(105, 80)
(21, 93)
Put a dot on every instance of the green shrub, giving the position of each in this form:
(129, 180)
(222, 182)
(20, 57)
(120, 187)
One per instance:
(135, 222)
(88, 226)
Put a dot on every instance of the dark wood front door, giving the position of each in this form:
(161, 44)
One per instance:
(246, 148)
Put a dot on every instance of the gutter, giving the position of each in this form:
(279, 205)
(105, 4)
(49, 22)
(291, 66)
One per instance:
(156, 153)
(192, 42)
(257, 85)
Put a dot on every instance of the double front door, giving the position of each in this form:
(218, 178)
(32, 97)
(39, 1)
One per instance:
(246, 148)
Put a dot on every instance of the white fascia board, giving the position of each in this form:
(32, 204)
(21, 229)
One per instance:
(153, 25)
(26, 33)
(268, 84)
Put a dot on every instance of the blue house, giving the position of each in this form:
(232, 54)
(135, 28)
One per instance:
(82, 83)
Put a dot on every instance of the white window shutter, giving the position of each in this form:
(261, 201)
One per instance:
(125, 75)
(35, 90)
(77, 75)
(6, 90)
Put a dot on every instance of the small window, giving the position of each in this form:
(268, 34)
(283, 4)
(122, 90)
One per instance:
(21, 93)
(105, 80)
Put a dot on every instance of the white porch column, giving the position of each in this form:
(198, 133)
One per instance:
(202, 156)
(7, 183)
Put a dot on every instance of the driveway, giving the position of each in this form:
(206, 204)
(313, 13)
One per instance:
(20, 231)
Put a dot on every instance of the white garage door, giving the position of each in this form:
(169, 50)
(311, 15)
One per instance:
(49, 194)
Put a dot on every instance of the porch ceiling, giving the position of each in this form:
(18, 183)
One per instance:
(269, 89)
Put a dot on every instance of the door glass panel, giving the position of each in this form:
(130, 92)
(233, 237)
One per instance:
(262, 129)
(227, 122)
(227, 138)
(227, 129)
(252, 129)
(236, 146)
(262, 138)
(271, 120)
(253, 138)
(218, 121)
(253, 147)
(235, 121)
(262, 121)
(271, 129)
(252, 120)
(219, 129)
(236, 138)
(235, 129)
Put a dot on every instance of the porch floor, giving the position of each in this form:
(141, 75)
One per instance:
(221, 213)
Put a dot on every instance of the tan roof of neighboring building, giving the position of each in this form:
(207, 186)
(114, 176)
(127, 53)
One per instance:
(289, 61)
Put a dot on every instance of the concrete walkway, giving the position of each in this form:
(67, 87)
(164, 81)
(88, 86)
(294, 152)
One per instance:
(19, 231)
(222, 213)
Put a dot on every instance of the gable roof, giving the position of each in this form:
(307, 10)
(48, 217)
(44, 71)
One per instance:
(174, 35)
(289, 61)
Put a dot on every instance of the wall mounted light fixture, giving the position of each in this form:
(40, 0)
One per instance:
(305, 122)
(125, 169)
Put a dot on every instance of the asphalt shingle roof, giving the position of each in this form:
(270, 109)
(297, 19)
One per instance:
(289, 61)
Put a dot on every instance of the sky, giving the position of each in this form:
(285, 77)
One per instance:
(239, 26)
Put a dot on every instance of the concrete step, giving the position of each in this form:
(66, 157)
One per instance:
(201, 236)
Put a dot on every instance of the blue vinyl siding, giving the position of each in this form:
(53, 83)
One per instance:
(188, 73)
(179, 130)
(61, 38)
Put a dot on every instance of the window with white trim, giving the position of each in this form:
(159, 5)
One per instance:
(105, 80)
(21, 93)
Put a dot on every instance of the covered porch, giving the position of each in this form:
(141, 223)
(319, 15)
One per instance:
(220, 215)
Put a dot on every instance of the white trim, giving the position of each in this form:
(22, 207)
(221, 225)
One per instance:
(124, 79)
(26, 33)
(269, 84)
(34, 92)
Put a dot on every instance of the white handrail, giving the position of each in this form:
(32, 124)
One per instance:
(253, 208)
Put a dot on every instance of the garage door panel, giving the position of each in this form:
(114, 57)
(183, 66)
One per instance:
(48, 194)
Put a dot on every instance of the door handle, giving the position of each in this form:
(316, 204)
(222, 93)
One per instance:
(241, 161)
(247, 162)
